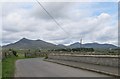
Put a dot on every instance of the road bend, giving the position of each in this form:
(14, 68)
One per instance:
(36, 67)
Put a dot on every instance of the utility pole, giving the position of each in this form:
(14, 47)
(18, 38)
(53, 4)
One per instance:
(81, 43)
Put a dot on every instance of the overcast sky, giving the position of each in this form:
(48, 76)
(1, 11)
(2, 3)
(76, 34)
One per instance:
(91, 21)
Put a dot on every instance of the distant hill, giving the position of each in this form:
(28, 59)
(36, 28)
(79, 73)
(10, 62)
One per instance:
(61, 46)
(39, 44)
(29, 44)
(0, 48)
(92, 45)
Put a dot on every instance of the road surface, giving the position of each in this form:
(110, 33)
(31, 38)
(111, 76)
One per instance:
(36, 67)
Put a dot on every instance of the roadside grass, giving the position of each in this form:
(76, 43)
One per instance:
(8, 66)
(0, 69)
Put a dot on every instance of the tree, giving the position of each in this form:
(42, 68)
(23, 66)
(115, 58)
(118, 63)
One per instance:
(14, 53)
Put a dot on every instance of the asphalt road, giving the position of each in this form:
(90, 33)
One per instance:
(36, 67)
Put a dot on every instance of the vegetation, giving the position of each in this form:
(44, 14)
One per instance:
(9, 58)
(86, 51)
(8, 67)
(83, 49)
(46, 56)
(11, 55)
(76, 49)
(0, 69)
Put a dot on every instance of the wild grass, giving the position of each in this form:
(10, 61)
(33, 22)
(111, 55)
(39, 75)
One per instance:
(8, 66)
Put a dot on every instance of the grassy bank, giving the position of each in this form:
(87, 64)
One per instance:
(8, 66)
(0, 69)
(8, 63)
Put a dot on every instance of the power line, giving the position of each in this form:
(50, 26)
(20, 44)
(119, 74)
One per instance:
(53, 18)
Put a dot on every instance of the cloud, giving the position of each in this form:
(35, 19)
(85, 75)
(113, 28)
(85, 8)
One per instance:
(0, 23)
(55, 9)
(94, 29)
(30, 20)
(61, 1)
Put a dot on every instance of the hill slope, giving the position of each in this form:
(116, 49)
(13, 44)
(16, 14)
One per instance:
(39, 44)
(92, 45)
(29, 44)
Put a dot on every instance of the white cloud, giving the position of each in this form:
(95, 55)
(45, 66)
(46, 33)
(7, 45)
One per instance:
(34, 23)
(0, 23)
(60, 1)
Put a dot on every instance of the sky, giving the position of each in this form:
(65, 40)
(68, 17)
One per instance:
(91, 21)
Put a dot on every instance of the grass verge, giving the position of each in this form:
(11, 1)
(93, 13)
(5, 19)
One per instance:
(8, 67)
(0, 69)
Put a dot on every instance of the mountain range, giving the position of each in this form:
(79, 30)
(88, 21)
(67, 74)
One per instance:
(40, 44)
(92, 45)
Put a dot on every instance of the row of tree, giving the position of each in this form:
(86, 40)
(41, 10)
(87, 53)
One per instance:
(76, 49)
(9, 53)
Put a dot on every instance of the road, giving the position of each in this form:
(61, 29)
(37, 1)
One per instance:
(36, 67)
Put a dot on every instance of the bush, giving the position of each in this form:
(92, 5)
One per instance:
(46, 56)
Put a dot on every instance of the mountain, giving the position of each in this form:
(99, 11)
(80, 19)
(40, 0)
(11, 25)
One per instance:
(92, 45)
(39, 44)
(75, 45)
(0, 48)
(61, 46)
(29, 44)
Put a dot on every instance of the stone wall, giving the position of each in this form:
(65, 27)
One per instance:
(106, 60)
